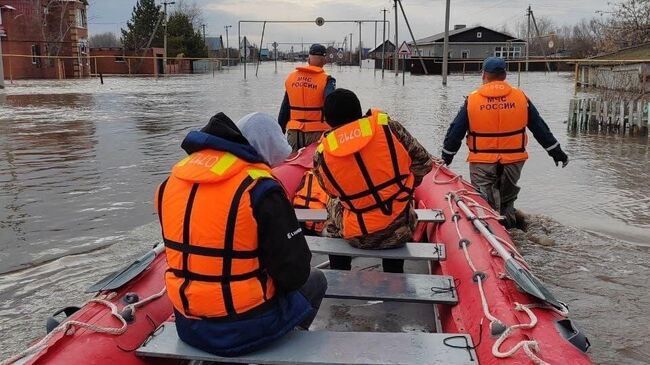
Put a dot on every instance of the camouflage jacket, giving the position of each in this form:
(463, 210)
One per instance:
(401, 229)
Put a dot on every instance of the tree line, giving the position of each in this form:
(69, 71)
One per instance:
(145, 30)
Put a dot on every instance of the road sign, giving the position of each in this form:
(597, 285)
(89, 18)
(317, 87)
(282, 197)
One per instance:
(404, 50)
(340, 55)
(275, 44)
(320, 21)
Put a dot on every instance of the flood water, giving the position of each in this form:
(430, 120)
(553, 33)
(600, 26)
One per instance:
(80, 162)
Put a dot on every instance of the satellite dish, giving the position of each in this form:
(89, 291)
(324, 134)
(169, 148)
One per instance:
(320, 21)
(551, 44)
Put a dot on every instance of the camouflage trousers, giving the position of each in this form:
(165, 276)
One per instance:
(396, 234)
(298, 139)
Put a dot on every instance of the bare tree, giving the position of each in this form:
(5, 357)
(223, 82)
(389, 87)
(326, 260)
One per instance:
(104, 40)
(192, 10)
(627, 24)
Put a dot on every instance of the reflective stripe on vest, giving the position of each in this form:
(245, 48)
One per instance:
(381, 184)
(498, 116)
(210, 237)
(306, 91)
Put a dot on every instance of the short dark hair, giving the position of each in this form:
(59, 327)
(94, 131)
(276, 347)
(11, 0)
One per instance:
(342, 106)
(498, 76)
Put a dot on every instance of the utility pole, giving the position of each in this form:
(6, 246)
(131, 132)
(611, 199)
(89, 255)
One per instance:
(360, 49)
(165, 3)
(395, 60)
(203, 26)
(374, 66)
(350, 49)
(227, 45)
(528, 12)
(445, 47)
(415, 43)
(383, 45)
(548, 67)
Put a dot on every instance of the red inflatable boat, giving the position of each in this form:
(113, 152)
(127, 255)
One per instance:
(505, 317)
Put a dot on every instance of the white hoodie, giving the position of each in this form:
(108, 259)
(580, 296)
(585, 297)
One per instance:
(265, 135)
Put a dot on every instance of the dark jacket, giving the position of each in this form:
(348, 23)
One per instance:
(458, 129)
(285, 111)
(283, 253)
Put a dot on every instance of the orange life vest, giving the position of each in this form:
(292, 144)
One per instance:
(498, 116)
(368, 169)
(311, 195)
(306, 90)
(210, 236)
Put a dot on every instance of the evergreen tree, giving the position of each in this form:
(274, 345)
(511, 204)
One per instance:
(139, 29)
(182, 38)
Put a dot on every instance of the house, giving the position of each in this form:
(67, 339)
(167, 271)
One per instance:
(45, 39)
(379, 50)
(472, 43)
(618, 70)
(215, 46)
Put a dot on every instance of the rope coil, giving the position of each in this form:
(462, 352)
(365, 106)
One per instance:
(497, 327)
(68, 328)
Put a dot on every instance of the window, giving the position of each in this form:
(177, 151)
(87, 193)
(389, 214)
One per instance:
(464, 54)
(82, 21)
(83, 46)
(479, 34)
(507, 52)
(36, 52)
(119, 59)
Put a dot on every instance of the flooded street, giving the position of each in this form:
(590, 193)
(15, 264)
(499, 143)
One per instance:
(80, 161)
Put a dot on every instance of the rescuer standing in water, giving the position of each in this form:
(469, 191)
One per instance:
(301, 114)
(495, 118)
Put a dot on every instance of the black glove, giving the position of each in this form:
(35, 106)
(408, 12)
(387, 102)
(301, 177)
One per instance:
(559, 156)
(447, 158)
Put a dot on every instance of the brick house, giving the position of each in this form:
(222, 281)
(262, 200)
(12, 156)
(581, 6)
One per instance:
(45, 39)
(118, 61)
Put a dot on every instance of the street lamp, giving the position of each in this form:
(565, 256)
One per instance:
(227, 45)
(165, 3)
(2, 71)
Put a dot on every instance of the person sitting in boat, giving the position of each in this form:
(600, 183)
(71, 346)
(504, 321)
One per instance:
(239, 271)
(495, 118)
(301, 113)
(370, 166)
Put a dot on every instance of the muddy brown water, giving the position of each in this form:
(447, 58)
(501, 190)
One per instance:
(80, 161)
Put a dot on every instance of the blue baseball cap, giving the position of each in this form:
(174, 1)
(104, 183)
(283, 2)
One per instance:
(494, 65)
(317, 50)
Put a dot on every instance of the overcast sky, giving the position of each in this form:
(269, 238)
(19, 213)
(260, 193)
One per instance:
(426, 16)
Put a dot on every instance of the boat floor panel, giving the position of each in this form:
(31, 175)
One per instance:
(411, 251)
(324, 347)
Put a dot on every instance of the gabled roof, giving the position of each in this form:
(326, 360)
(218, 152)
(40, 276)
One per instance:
(388, 45)
(214, 43)
(440, 37)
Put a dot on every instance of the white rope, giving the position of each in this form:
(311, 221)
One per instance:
(67, 327)
(530, 347)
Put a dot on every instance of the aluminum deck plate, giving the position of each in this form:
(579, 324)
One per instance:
(319, 215)
(411, 251)
(373, 285)
(327, 348)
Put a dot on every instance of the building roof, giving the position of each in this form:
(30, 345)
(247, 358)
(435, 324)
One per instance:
(214, 43)
(440, 37)
(389, 45)
(638, 52)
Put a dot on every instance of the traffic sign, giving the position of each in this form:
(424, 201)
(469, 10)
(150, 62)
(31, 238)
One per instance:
(404, 50)
(275, 44)
(340, 55)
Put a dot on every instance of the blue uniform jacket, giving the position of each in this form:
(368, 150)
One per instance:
(458, 129)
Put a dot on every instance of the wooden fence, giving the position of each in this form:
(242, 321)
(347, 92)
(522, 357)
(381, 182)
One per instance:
(609, 116)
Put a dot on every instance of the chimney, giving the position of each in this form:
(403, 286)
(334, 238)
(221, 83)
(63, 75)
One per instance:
(460, 26)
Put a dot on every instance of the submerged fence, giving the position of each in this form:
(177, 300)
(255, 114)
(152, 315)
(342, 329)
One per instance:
(609, 116)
